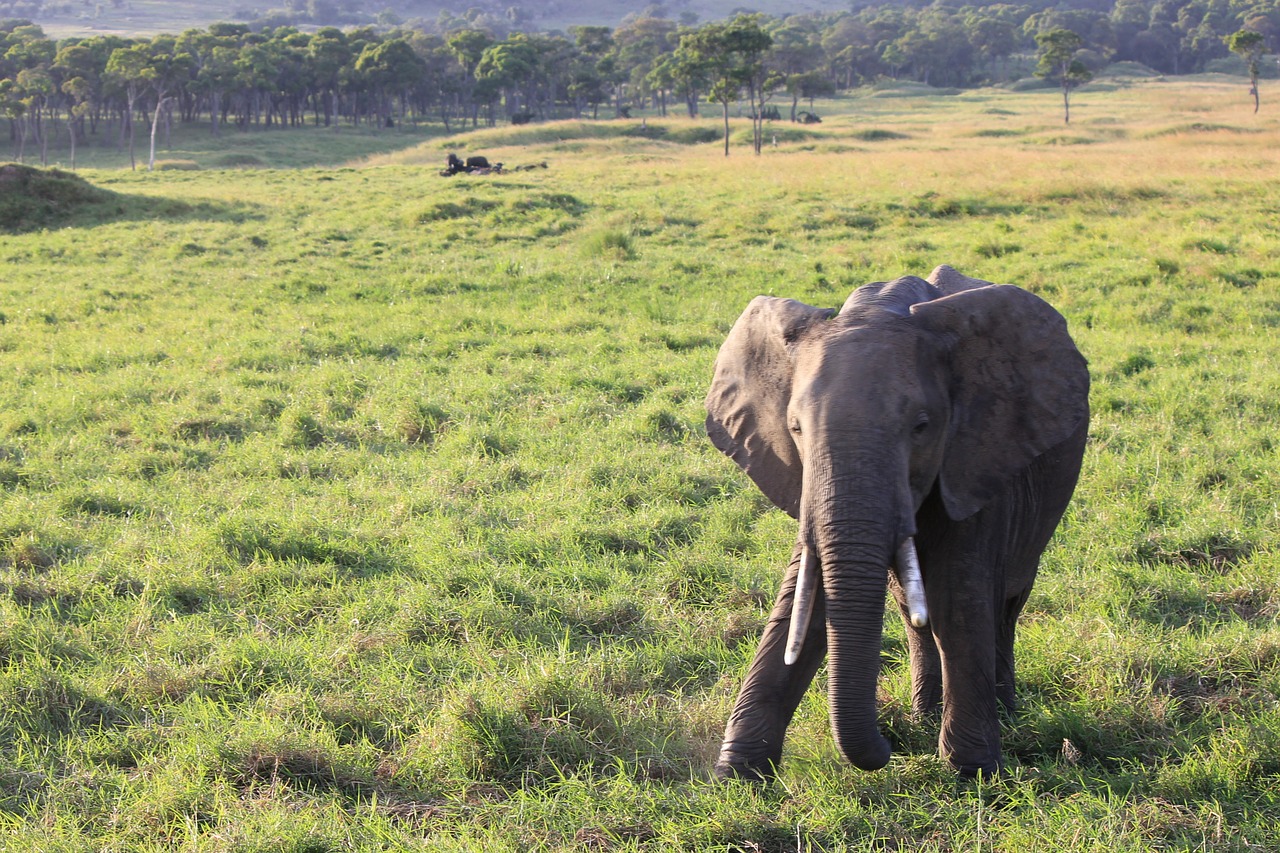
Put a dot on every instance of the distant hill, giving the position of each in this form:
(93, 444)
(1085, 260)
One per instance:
(61, 18)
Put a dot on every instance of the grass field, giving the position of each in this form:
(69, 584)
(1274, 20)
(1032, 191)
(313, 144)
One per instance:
(350, 507)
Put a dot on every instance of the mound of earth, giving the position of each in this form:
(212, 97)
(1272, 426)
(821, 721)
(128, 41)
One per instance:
(40, 198)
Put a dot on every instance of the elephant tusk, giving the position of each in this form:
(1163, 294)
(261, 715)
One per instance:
(912, 582)
(807, 579)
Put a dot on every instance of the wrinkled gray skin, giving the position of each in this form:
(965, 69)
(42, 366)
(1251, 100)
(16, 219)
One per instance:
(951, 410)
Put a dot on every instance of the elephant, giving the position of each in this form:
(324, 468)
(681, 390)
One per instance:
(927, 437)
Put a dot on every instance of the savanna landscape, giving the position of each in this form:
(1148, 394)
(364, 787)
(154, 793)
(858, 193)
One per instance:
(344, 506)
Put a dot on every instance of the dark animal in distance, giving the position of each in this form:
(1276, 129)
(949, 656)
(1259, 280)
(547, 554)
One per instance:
(473, 165)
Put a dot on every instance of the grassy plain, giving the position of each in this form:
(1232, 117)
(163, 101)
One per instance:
(359, 508)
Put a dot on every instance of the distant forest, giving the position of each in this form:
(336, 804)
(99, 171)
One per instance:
(479, 67)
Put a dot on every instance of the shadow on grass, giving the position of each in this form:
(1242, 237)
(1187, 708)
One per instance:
(32, 199)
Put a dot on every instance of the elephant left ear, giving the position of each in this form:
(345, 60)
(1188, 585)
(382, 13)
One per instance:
(1019, 388)
(747, 402)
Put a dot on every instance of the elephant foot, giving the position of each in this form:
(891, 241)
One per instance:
(978, 771)
(985, 768)
(734, 764)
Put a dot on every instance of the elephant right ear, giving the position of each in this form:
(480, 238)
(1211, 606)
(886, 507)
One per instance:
(747, 403)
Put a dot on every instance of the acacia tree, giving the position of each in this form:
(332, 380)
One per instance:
(1249, 46)
(1057, 60)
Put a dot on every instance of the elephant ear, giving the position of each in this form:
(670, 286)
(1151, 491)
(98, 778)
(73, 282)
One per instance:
(747, 403)
(1019, 387)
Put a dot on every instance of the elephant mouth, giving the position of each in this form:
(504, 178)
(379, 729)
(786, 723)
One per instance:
(809, 579)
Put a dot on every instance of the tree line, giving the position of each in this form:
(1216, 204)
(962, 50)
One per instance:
(460, 72)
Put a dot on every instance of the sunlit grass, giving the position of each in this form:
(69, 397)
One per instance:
(357, 507)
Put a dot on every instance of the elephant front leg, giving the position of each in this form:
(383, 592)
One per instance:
(1007, 628)
(965, 627)
(752, 747)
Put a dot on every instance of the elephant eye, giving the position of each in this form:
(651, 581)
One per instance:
(922, 424)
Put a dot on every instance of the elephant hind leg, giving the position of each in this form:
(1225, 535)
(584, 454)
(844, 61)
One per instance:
(926, 664)
(926, 671)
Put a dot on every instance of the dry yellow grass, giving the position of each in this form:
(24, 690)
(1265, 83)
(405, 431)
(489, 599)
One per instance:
(1124, 135)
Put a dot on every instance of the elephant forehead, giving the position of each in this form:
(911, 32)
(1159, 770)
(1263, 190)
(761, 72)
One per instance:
(870, 371)
(846, 351)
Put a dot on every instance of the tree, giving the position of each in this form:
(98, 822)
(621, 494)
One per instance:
(126, 67)
(640, 45)
(36, 85)
(995, 39)
(593, 68)
(391, 68)
(1249, 46)
(809, 85)
(29, 55)
(80, 91)
(681, 73)
(1057, 59)
(76, 70)
(731, 54)
(167, 72)
(329, 53)
(468, 46)
(795, 48)
(510, 65)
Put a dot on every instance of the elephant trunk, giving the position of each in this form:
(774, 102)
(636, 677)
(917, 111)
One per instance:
(809, 576)
(855, 524)
(855, 594)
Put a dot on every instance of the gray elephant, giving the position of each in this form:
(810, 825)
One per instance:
(929, 433)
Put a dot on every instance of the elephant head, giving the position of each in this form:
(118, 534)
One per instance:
(848, 420)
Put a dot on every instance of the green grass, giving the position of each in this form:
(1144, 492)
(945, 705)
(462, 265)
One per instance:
(358, 508)
(194, 147)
